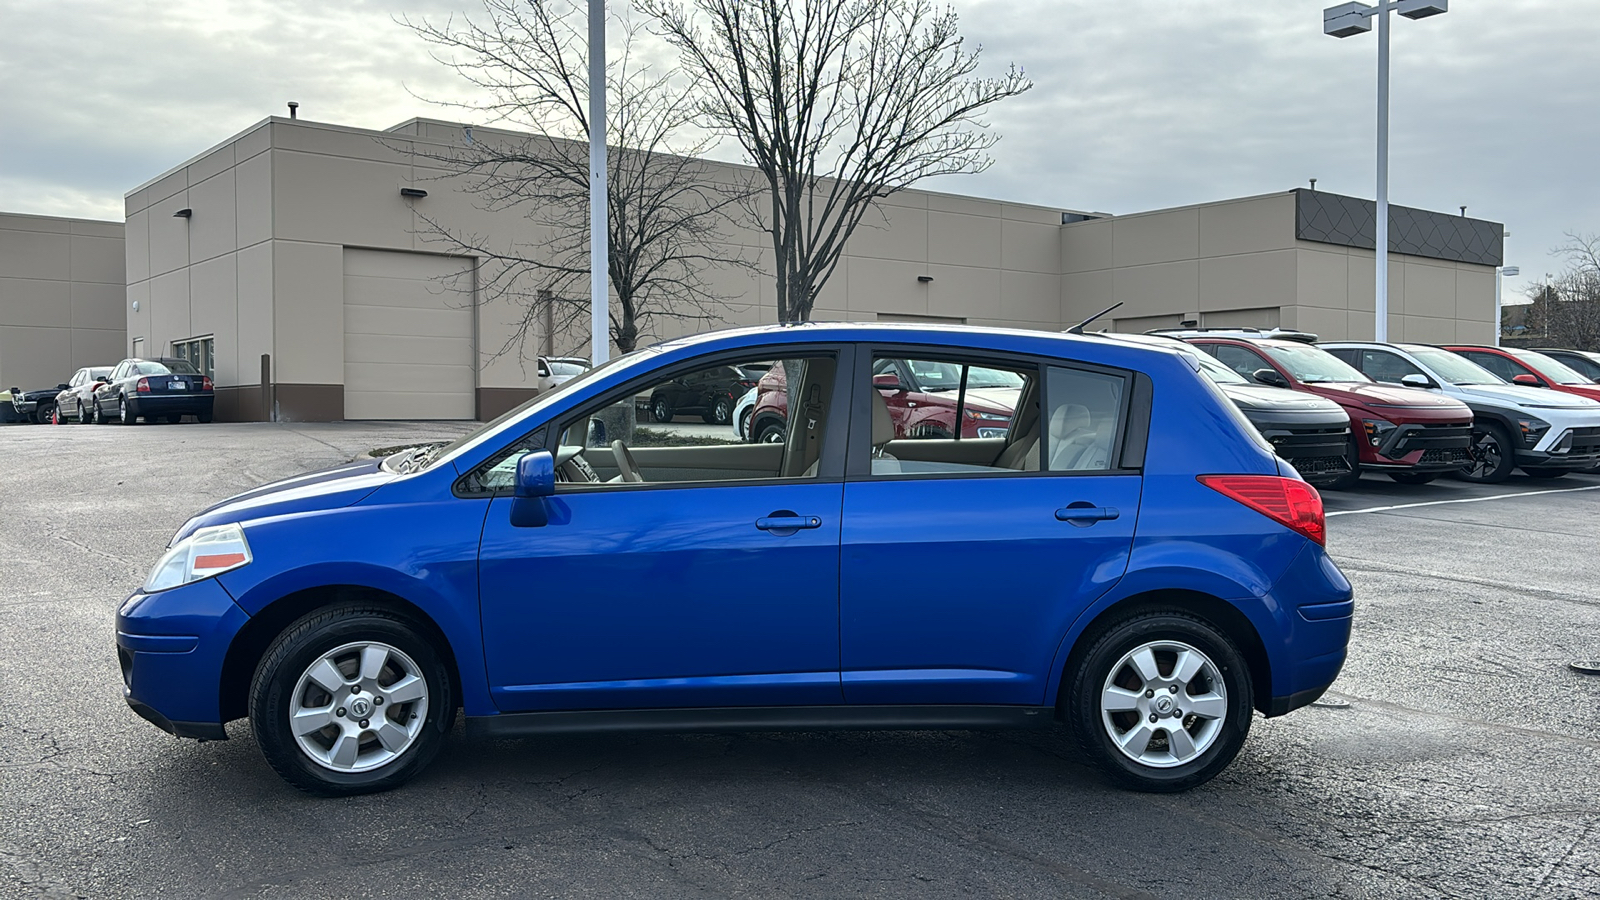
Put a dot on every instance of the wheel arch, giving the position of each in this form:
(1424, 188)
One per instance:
(1225, 616)
(250, 644)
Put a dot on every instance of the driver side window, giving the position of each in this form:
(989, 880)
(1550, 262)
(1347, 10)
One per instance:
(745, 420)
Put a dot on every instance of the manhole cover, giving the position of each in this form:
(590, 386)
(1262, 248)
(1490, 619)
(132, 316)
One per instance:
(1586, 666)
(1327, 702)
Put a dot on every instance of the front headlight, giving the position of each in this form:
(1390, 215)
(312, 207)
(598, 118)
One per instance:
(206, 553)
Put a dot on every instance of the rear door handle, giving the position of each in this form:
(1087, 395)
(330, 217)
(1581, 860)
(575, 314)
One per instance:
(1086, 514)
(787, 523)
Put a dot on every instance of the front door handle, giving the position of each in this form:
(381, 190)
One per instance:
(785, 522)
(1082, 514)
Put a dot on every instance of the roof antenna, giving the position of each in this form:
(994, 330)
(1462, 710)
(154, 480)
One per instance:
(1078, 328)
(293, 106)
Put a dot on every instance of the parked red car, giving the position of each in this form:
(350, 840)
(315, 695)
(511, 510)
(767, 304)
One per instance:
(1529, 367)
(1411, 435)
(922, 397)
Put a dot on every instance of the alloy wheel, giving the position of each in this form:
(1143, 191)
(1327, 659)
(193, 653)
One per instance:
(1164, 704)
(1485, 456)
(358, 707)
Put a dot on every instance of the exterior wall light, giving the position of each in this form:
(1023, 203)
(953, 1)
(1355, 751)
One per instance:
(184, 213)
(413, 193)
(925, 279)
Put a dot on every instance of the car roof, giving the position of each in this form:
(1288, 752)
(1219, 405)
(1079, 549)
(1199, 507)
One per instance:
(1020, 339)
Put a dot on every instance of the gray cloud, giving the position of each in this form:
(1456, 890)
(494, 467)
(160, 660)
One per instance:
(1139, 104)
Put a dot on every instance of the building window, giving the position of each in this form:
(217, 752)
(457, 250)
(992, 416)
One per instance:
(200, 352)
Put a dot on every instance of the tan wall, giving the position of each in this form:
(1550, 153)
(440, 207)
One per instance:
(1237, 263)
(61, 298)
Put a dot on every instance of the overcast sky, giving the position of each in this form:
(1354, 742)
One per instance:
(1138, 104)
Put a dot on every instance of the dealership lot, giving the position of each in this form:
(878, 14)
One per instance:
(1461, 767)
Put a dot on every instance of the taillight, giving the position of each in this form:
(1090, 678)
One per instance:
(1289, 502)
(144, 386)
(205, 382)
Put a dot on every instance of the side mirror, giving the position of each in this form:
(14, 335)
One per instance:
(1270, 377)
(887, 382)
(1526, 379)
(102, 380)
(61, 387)
(1417, 381)
(535, 480)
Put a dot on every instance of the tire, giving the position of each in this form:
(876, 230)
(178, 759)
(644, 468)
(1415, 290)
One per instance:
(1545, 473)
(85, 415)
(54, 418)
(346, 757)
(203, 418)
(174, 418)
(772, 433)
(1493, 457)
(744, 425)
(661, 409)
(722, 412)
(98, 417)
(1413, 477)
(1352, 458)
(1109, 670)
(125, 413)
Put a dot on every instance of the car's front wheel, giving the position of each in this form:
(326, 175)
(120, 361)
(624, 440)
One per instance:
(1345, 481)
(351, 699)
(1492, 456)
(661, 410)
(1161, 701)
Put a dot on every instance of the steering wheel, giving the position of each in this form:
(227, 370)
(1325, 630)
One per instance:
(625, 463)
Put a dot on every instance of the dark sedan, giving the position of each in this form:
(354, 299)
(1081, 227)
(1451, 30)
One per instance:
(152, 389)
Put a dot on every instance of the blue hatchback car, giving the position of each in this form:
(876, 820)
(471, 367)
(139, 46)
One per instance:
(1124, 554)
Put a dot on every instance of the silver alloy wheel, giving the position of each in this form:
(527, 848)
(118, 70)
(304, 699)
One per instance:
(122, 410)
(359, 707)
(1163, 704)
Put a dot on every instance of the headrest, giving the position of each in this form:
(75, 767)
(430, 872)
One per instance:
(882, 422)
(1067, 420)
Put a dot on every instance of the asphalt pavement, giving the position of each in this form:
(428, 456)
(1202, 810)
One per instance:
(1463, 765)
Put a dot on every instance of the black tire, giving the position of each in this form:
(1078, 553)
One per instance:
(1413, 477)
(744, 426)
(722, 412)
(772, 433)
(661, 409)
(44, 416)
(126, 414)
(203, 418)
(96, 414)
(174, 418)
(1542, 472)
(1493, 457)
(300, 647)
(1352, 458)
(85, 415)
(1081, 701)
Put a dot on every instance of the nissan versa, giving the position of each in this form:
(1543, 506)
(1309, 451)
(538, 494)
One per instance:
(1128, 557)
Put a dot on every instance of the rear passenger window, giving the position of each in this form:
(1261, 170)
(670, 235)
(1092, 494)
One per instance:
(1085, 419)
(953, 417)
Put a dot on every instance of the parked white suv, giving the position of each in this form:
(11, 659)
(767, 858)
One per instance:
(1545, 432)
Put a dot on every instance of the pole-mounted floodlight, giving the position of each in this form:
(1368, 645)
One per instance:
(1346, 20)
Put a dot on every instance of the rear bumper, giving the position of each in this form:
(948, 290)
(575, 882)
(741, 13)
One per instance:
(1318, 607)
(153, 404)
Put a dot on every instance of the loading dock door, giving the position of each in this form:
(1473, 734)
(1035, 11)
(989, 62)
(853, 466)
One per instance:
(408, 351)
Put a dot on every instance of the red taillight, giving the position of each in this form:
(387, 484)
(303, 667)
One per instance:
(144, 386)
(205, 382)
(1287, 501)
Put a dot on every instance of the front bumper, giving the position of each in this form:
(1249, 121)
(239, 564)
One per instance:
(1429, 447)
(171, 647)
(1582, 450)
(24, 407)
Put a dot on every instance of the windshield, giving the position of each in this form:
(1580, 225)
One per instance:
(1455, 369)
(557, 367)
(1310, 365)
(1550, 368)
(571, 384)
(1218, 372)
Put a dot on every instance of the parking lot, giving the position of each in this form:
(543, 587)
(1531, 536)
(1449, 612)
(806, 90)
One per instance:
(1463, 764)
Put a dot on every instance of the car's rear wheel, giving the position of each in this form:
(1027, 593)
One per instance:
(661, 410)
(1413, 477)
(1492, 456)
(772, 433)
(1161, 701)
(174, 418)
(1541, 472)
(125, 413)
(721, 412)
(85, 415)
(744, 424)
(203, 418)
(95, 415)
(350, 699)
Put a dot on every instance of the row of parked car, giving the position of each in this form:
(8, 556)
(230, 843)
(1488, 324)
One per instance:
(1331, 409)
(135, 389)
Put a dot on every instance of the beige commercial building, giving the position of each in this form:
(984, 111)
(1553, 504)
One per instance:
(62, 293)
(289, 256)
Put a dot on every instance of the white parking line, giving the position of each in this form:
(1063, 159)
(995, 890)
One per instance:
(1378, 509)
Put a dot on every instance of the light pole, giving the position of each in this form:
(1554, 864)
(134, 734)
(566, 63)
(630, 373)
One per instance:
(1346, 20)
(1507, 272)
(599, 235)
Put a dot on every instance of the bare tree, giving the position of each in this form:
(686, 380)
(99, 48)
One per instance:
(665, 216)
(1566, 311)
(837, 104)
